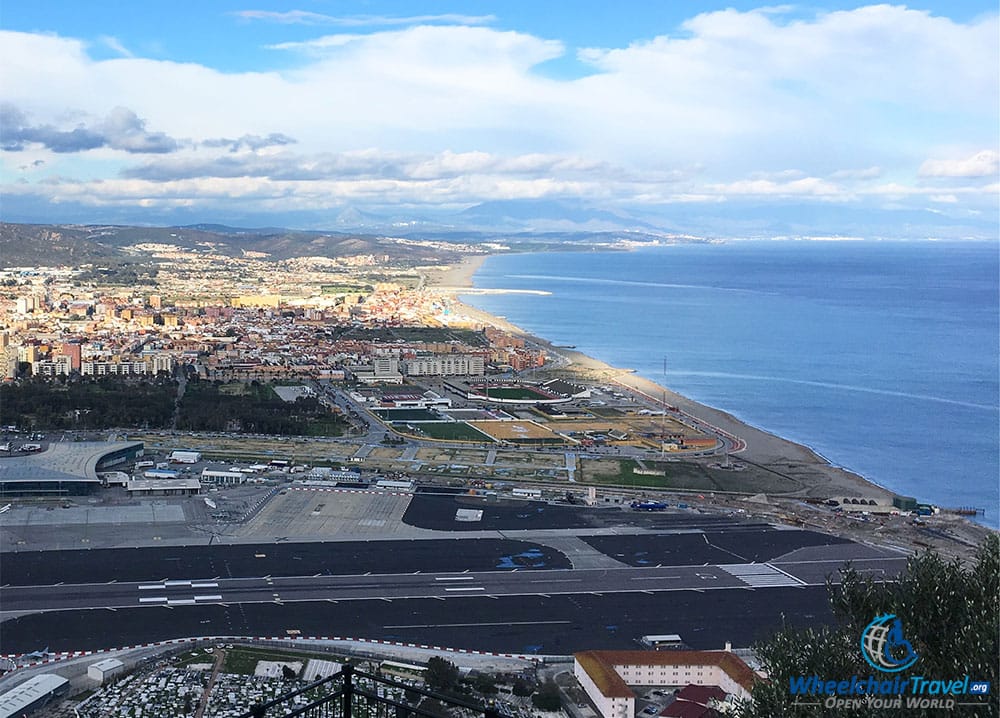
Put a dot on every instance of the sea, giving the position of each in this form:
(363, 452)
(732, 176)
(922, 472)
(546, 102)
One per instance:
(880, 356)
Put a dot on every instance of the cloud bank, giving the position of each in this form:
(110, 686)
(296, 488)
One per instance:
(876, 105)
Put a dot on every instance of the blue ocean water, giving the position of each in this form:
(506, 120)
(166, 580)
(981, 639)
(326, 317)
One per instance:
(882, 357)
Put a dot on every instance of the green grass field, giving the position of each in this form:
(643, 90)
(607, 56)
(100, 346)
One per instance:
(452, 431)
(691, 476)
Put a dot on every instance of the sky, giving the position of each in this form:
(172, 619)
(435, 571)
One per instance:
(225, 110)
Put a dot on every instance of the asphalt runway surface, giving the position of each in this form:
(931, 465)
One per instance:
(437, 512)
(41, 568)
(747, 545)
(266, 589)
(709, 578)
(558, 624)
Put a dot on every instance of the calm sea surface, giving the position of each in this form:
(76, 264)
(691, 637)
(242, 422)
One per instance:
(883, 357)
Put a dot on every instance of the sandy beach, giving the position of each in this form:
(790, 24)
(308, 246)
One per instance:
(763, 448)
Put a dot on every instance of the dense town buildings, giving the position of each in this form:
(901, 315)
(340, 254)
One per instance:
(241, 319)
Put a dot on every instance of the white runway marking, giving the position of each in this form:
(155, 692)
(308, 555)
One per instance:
(761, 575)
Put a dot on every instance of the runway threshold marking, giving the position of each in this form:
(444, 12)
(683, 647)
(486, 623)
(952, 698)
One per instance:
(467, 625)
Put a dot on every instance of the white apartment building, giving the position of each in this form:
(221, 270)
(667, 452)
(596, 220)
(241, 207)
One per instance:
(606, 676)
(446, 365)
(58, 366)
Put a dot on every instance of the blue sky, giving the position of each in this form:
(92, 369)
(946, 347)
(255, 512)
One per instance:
(221, 109)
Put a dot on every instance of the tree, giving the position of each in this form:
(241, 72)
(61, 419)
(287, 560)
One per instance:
(949, 613)
(485, 684)
(523, 687)
(547, 697)
(441, 674)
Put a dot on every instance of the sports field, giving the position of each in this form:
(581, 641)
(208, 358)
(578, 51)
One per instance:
(451, 431)
(527, 432)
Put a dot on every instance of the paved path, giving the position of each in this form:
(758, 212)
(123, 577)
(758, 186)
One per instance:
(581, 554)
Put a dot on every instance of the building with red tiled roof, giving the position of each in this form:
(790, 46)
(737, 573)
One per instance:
(606, 676)
(686, 709)
(701, 694)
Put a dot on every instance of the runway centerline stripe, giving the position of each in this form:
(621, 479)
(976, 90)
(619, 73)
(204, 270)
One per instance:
(455, 578)
(469, 588)
(651, 578)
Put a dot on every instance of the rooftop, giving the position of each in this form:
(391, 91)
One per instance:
(17, 699)
(601, 666)
(62, 461)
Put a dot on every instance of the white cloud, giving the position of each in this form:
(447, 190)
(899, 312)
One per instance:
(843, 98)
(115, 44)
(981, 164)
(806, 186)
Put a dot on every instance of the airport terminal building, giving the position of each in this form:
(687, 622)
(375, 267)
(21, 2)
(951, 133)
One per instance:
(64, 468)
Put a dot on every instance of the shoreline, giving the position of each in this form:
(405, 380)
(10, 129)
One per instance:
(773, 452)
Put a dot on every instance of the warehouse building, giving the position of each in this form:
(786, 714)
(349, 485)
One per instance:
(184, 457)
(32, 695)
(163, 487)
(105, 670)
(223, 476)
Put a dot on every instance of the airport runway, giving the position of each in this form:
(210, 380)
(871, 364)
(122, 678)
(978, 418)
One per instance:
(320, 587)
(556, 624)
(710, 579)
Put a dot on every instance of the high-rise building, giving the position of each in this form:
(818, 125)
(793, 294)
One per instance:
(73, 350)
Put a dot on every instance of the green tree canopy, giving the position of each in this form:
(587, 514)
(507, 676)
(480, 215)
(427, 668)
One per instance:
(950, 613)
(547, 697)
(441, 674)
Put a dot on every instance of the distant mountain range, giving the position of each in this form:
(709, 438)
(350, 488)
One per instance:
(522, 224)
(714, 220)
(49, 245)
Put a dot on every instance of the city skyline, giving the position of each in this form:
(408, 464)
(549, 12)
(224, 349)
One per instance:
(298, 115)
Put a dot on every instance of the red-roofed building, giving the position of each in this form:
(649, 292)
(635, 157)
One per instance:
(701, 694)
(686, 709)
(607, 675)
